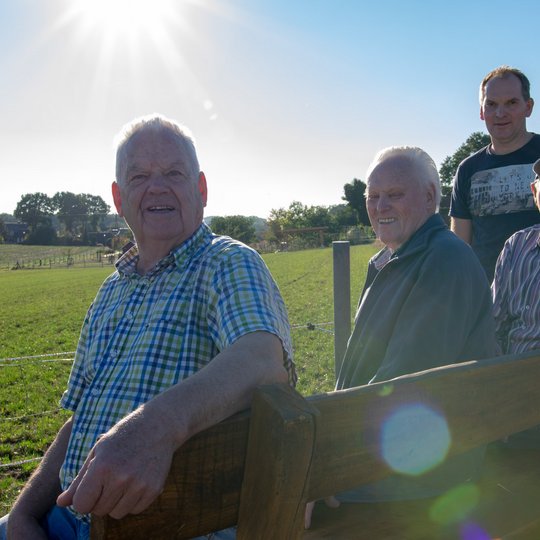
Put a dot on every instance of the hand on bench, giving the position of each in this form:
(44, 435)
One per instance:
(331, 502)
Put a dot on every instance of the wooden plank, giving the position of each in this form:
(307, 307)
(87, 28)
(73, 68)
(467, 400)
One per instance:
(502, 504)
(277, 466)
(203, 489)
(342, 300)
(478, 401)
(202, 492)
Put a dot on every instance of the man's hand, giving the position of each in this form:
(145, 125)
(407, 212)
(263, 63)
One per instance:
(125, 470)
(331, 502)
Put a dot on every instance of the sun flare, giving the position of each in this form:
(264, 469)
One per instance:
(124, 17)
(126, 45)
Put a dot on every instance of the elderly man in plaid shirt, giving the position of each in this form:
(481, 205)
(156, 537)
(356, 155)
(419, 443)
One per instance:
(175, 341)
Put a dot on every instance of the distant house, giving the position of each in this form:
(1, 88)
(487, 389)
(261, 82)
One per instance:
(16, 232)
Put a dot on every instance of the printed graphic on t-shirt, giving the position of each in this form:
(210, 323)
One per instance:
(503, 190)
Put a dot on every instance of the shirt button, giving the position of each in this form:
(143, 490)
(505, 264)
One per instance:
(527, 307)
(78, 436)
(94, 392)
(114, 353)
(69, 479)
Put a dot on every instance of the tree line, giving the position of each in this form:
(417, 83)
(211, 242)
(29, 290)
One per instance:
(79, 215)
(333, 219)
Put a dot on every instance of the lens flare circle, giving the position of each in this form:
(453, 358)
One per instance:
(454, 506)
(414, 439)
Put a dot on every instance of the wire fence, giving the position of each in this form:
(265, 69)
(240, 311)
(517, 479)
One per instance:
(65, 260)
(9, 422)
(37, 358)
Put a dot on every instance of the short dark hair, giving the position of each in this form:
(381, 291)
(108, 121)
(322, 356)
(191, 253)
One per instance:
(503, 72)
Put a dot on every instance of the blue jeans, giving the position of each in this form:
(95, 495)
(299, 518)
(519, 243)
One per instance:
(61, 524)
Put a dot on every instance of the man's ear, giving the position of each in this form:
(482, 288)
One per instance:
(203, 188)
(530, 106)
(117, 198)
(482, 113)
(430, 196)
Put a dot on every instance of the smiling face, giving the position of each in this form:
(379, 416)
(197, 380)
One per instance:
(159, 192)
(504, 110)
(398, 203)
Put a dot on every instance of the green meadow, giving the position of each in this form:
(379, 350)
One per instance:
(41, 312)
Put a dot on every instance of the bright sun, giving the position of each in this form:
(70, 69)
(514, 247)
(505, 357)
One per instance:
(125, 18)
(121, 41)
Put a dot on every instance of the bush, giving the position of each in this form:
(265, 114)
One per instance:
(42, 235)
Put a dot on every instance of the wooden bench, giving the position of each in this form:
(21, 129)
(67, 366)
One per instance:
(258, 469)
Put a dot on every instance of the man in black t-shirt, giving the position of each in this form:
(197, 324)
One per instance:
(491, 196)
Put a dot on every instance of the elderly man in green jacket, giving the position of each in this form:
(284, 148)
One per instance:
(426, 303)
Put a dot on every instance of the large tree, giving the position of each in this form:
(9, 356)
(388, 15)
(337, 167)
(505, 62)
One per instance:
(299, 216)
(96, 210)
(355, 197)
(474, 142)
(79, 211)
(238, 227)
(284, 222)
(70, 210)
(34, 209)
(447, 171)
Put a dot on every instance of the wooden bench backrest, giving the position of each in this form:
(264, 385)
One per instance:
(480, 401)
(202, 492)
(204, 488)
(259, 469)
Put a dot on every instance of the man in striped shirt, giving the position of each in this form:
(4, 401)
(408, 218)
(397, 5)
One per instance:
(175, 341)
(516, 298)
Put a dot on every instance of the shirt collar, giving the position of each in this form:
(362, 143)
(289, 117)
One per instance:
(189, 248)
(417, 241)
(127, 264)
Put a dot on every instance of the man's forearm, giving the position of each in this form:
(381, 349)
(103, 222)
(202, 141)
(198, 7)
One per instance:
(127, 467)
(462, 228)
(224, 387)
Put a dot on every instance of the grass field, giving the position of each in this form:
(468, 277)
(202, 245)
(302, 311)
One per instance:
(41, 313)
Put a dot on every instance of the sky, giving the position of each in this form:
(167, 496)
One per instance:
(287, 100)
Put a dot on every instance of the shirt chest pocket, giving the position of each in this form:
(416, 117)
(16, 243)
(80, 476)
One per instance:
(161, 337)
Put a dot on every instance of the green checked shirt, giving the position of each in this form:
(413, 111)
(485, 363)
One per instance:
(144, 334)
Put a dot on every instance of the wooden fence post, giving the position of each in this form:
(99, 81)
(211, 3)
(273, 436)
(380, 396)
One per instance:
(342, 300)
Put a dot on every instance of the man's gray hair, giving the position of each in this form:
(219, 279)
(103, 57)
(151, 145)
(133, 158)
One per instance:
(419, 159)
(156, 123)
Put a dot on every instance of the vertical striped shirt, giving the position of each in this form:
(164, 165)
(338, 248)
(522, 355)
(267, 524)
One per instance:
(144, 334)
(516, 292)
